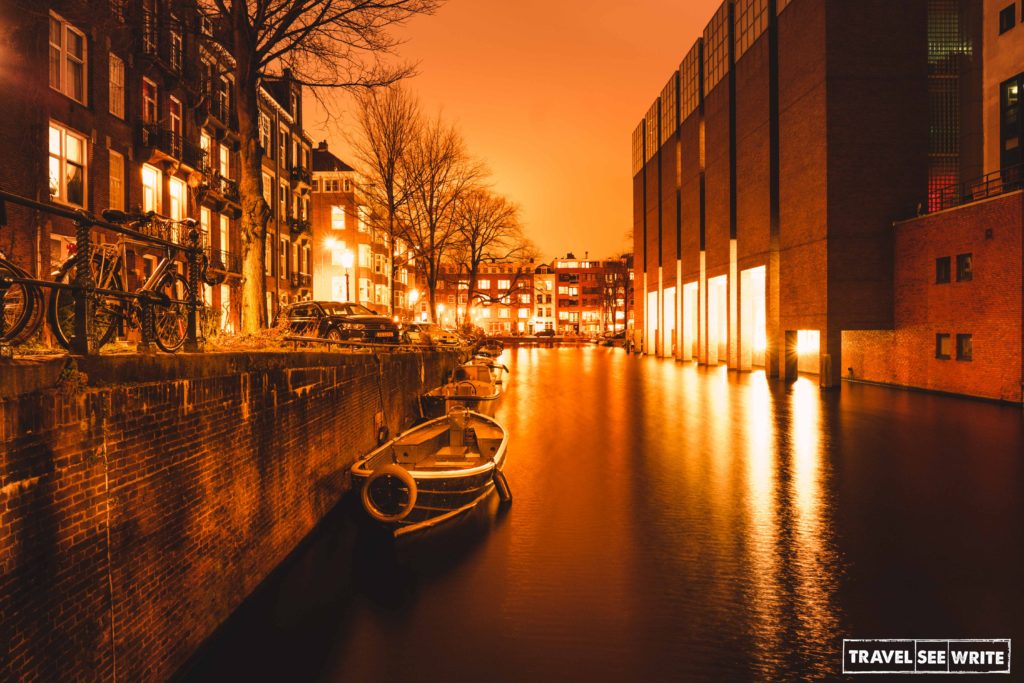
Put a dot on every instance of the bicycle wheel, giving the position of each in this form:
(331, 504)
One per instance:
(170, 322)
(17, 303)
(106, 309)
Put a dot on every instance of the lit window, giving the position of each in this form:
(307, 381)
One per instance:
(964, 270)
(265, 134)
(942, 346)
(268, 190)
(362, 219)
(67, 166)
(483, 284)
(67, 59)
(179, 196)
(116, 181)
(963, 347)
(116, 86)
(942, 270)
(504, 284)
(364, 255)
(149, 101)
(152, 180)
(225, 162)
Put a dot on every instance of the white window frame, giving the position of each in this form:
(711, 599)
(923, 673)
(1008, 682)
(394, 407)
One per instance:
(116, 173)
(60, 156)
(157, 189)
(64, 58)
(116, 81)
(150, 104)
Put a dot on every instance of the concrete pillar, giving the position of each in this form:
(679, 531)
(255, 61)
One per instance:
(661, 314)
(831, 358)
(679, 309)
(702, 312)
(792, 359)
(734, 328)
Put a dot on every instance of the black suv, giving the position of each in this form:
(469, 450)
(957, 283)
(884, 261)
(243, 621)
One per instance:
(340, 321)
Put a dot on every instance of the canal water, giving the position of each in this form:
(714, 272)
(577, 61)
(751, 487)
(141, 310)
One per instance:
(669, 523)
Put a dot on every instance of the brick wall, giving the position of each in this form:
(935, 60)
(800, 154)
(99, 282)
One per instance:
(139, 508)
(989, 306)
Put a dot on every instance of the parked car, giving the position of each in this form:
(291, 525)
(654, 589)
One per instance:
(549, 332)
(338, 321)
(439, 335)
(413, 333)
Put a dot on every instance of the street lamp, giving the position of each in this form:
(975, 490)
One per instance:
(346, 263)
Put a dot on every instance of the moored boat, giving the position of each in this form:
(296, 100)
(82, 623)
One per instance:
(496, 369)
(471, 386)
(434, 472)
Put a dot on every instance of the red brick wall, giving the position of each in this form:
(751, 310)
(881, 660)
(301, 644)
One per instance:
(752, 155)
(668, 209)
(989, 307)
(138, 511)
(716, 130)
(689, 136)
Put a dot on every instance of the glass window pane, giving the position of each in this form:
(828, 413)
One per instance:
(76, 184)
(54, 141)
(74, 149)
(54, 173)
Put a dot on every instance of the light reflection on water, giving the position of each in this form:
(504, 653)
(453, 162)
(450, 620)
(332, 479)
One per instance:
(671, 522)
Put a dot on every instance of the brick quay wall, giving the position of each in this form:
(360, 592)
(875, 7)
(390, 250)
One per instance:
(142, 498)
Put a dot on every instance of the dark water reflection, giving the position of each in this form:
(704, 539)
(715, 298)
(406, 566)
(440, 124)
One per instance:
(670, 523)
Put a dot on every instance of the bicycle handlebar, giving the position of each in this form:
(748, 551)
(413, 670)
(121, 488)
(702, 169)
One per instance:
(121, 217)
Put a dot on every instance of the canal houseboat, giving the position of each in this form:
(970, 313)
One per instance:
(434, 471)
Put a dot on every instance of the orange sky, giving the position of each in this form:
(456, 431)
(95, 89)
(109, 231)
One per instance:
(547, 93)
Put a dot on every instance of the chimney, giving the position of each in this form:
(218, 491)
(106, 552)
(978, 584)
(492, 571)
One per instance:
(322, 146)
(586, 255)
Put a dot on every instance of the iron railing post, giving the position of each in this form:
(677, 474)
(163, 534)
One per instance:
(194, 340)
(82, 341)
(6, 351)
(145, 344)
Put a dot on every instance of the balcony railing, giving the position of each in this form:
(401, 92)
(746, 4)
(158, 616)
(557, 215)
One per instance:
(194, 156)
(301, 176)
(299, 226)
(990, 185)
(301, 280)
(163, 139)
(226, 261)
(226, 187)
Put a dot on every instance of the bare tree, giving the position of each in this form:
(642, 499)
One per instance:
(323, 44)
(436, 174)
(388, 120)
(488, 230)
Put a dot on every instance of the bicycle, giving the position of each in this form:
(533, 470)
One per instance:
(165, 292)
(22, 305)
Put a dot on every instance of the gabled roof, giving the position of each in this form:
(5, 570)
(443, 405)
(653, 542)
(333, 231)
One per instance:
(323, 160)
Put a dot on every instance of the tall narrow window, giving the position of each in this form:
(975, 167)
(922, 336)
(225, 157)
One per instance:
(174, 111)
(964, 267)
(1007, 18)
(265, 135)
(179, 200)
(224, 167)
(149, 101)
(67, 171)
(116, 199)
(176, 45)
(116, 86)
(225, 234)
(282, 152)
(268, 255)
(152, 190)
(942, 344)
(964, 347)
(282, 270)
(206, 144)
(942, 270)
(149, 26)
(67, 59)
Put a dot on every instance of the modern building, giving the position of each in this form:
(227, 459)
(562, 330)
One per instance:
(350, 253)
(772, 168)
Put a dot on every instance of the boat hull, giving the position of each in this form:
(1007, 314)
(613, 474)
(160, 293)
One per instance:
(441, 492)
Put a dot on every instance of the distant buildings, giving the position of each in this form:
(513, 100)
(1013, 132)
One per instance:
(351, 255)
(808, 180)
(571, 296)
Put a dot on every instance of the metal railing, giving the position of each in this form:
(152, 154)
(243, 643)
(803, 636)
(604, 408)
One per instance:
(299, 226)
(301, 175)
(225, 261)
(84, 289)
(989, 185)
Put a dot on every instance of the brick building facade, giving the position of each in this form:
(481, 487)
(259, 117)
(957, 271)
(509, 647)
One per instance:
(771, 169)
(351, 252)
(124, 105)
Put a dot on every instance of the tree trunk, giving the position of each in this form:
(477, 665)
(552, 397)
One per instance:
(255, 212)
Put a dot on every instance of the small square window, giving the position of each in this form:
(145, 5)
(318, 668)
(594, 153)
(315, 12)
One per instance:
(942, 270)
(964, 264)
(963, 347)
(942, 346)
(1007, 18)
